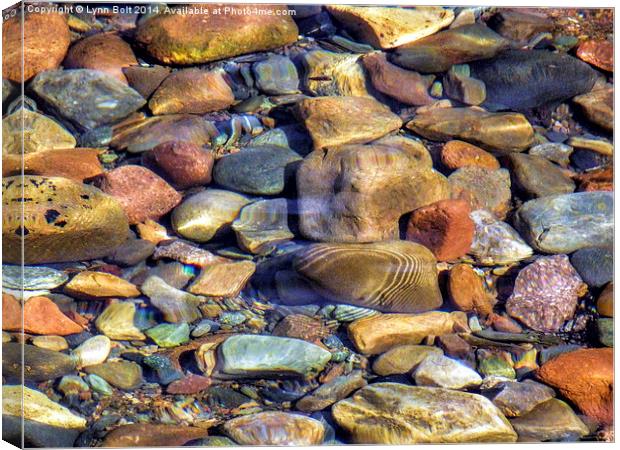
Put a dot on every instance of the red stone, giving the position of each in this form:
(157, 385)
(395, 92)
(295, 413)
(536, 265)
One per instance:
(191, 384)
(505, 324)
(142, 194)
(457, 154)
(586, 378)
(598, 53)
(467, 291)
(41, 316)
(444, 227)
(184, 164)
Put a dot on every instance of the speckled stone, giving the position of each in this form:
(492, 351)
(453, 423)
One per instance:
(482, 189)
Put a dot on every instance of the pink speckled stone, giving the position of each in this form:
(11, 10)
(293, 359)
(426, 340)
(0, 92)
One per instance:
(545, 293)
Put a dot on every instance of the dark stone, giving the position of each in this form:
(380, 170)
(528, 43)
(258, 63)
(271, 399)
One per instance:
(132, 252)
(523, 79)
(538, 177)
(595, 265)
(39, 364)
(587, 159)
(36, 434)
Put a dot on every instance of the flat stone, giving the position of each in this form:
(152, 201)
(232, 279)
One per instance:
(598, 107)
(142, 194)
(374, 335)
(387, 28)
(403, 359)
(457, 154)
(176, 305)
(335, 74)
(125, 375)
(145, 80)
(90, 285)
(594, 264)
(40, 316)
(520, 26)
(599, 53)
(132, 252)
(186, 253)
(77, 164)
(552, 420)
(483, 189)
(184, 164)
(346, 120)
(443, 227)
(524, 79)
(406, 86)
(585, 377)
(444, 372)
(117, 322)
(600, 146)
(392, 276)
(331, 392)
(259, 356)
(169, 335)
(392, 413)
(223, 280)
(276, 75)
(516, 399)
(40, 40)
(55, 343)
(545, 293)
(39, 364)
(454, 346)
(105, 52)
(358, 193)
(553, 151)
(152, 435)
(263, 170)
(440, 51)
(566, 223)
(275, 428)
(463, 88)
(192, 91)
(539, 177)
(207, 214)
(30, 404)
(300, 326)
(86, 97)
(495, 242)
(262, 224)
(79, 223)
(39, 132)
(498, 132)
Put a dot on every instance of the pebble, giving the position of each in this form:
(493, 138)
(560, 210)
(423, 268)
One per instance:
(483, 189)
(152, 435)
(392, 413)
(194, 38)
(71, 385)
(24, 35)
(552, 420)
(406, 86)
(39, 364)
(176, 305)
(184, 164)
(335, 74)
(276, 75)
(89, 285)
(553, 151)
(437, 53)
(191, 91)
(523, 79)
(145, 80)
(117, 322)
(585, 377)
(605, 301)
(40, 133)
(275, 428)
(88, 98)
(169, 335)
(55, 343)
(601, 147)
(209, 213)
(71, 227)
(394, 276)
(302, 327)
(223, 280)
(441, 371)
(263, 170)
(539, 177)
(403, 359)
(256, 356)
(331, 392)
(262, 224)
(498, 132)
(93, 351)
(125, 375)
(598, 53)
(374, 335)
(516, 399)
(40, 316)
(358, 193)
(99, 385)
(463, 88)
(132, 252)
(345, 120)
(566, 223)
(495, 364)
(597, 106)
(467, 291)
(30, 433)
(495, 242)
(142, 194)
(32, 278)
(387, 28)
(77, 164)
(22, 401)
(595, 265)
(443, 227)
(520, 26)
(605, 329)
(103, 52)
(458, 154)
(545, 293)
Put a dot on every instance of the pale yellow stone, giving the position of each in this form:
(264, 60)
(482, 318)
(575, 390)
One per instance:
(89, 285)
(55, 343)
(223, 280)
(116, 322)
(39, 132)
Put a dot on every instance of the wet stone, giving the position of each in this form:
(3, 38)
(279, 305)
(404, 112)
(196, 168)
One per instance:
(276, 75)
(516, 399)
(335, 74)
(483, 189)
(176, 305)
(117, 322)
(184, 164)
(331, 392)
(262, 224)
(169, 335)
(152, 435)
(39, 364)
(121, 374)
(458, 154)
(145, 80)
(552, 420)
(555, 152)
(40, 133)
(595, 265)
(496, 242)
(92, 285)
(444, 372)
(539, 177)
(605, 330)
(403, 359)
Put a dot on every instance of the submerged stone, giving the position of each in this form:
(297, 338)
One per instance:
(552, 420)
(496, 242)
(262, 224)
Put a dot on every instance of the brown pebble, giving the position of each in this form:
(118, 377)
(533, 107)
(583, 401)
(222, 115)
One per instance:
(467, 291)
(457, 154)
(184, 164)
(598, 53)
